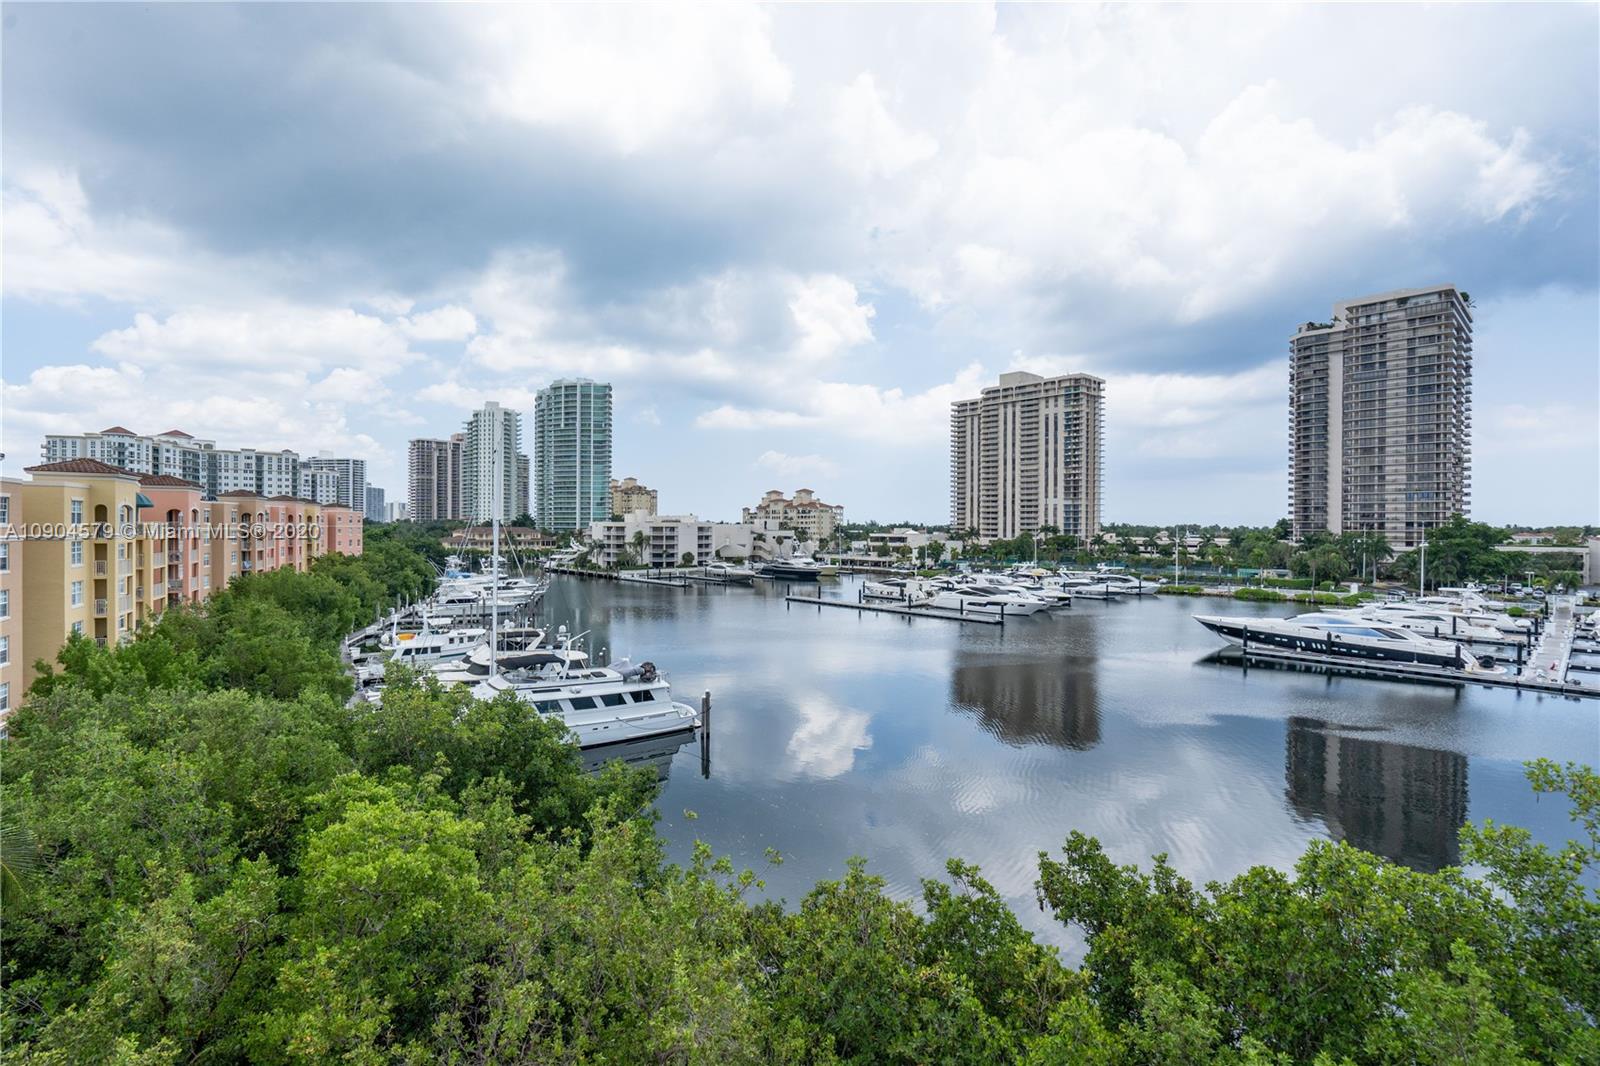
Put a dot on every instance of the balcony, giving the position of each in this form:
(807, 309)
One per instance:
(175, 557)
(124, 603)
(99, 568)
(100, 608)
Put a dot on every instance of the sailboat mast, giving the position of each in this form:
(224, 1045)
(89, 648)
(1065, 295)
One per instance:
(494, 557)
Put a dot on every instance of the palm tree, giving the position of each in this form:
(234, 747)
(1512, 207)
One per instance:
(19, 858)
(638, 547)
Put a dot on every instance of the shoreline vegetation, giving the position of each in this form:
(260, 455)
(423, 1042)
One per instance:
(210, 856)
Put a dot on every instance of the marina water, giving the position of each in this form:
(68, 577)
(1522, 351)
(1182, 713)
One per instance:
(912, 741)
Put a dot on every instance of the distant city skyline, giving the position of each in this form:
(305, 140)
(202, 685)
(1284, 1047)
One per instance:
(790, 267)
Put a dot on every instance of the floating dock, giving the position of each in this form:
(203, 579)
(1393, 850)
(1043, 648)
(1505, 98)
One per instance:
(902, 611)
(1530, 682)
(618, 575)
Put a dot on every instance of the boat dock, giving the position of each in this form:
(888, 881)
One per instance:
(904, 611)
(1545, 672)
(618, 575)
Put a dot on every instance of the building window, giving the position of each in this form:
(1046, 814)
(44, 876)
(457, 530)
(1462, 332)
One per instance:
(5, 695)
(77, 594)
(5, 557)
(205, 582)
(77, 627)
(77, 553)
(77, 512)
(5, 510)
(5, 603)
(5, 651)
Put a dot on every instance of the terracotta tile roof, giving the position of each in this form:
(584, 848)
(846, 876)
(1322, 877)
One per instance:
(238, 492)
(167, 481)
(176, 433)
(79, 466)
(120, 429)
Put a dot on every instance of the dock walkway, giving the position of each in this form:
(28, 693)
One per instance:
(1553, 654)
(904, 612)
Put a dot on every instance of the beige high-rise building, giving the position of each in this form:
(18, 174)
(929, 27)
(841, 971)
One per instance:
(1026, 454)
(433, 479)
(630, 497)
(1380, 415)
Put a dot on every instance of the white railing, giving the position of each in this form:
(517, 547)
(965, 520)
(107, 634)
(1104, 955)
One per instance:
(100, 607)
(99, 568)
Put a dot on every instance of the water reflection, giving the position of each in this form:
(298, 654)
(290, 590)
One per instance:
(1403, 802)
(654, 752)
(1028, 700)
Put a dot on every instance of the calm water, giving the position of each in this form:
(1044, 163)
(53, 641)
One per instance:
(836, 734)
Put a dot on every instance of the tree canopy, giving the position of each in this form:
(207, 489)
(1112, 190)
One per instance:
(211, 859)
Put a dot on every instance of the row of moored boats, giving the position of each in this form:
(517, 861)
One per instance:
(1017, 592)
(466, 634)
(1429, 631)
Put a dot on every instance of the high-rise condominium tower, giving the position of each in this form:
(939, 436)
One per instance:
(572, 454)
(489, 464)
(1026, 454)
(433, 479)
(352, 479)
(1380, 415)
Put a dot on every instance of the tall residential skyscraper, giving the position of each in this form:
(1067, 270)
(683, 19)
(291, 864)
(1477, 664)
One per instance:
(524, 506)
(572, 454)
(433, 479)
(352, 473)
(376, 512)
(1026, 454)
(489, 463)
(1380, 415)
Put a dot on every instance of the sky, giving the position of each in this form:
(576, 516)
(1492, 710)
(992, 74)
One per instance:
(790, 237)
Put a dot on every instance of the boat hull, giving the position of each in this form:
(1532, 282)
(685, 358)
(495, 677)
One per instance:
(1242, 635)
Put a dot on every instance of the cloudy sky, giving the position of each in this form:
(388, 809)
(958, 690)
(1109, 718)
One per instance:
(791, 236)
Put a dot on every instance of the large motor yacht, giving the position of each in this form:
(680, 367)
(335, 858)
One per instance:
(599, 704)
(1343, 636)
(996, 601)
(727, 573)
(799, 568)
(1430, 621)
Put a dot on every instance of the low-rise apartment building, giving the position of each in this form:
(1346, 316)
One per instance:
(652, 540)
(805, 514)
(97, 550)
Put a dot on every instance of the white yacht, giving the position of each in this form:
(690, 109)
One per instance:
(898, 590)
(798, 568)
(1085, 587)
(973, 598)
(1343, 636)
(432, 645)
(1429, 621)
(599, 704)
(1469, 604)
(727, 573)
(1128, 584)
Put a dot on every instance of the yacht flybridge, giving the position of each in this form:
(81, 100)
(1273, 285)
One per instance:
(1344, 636)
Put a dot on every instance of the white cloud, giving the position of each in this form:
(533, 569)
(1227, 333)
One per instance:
(865, 136)
(825, 742)
(827, 317)
(792, 466)
(1548, 427)
(450, 323)
(636, 76)
(865, 412)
